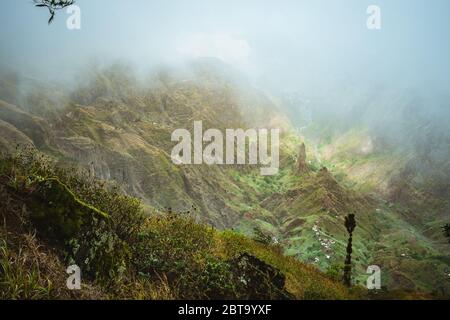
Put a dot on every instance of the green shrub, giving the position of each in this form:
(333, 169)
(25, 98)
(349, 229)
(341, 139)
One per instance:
(93, 224)
(261, 237)
(177, 246)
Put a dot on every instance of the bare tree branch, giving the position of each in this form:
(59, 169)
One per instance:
(53, 6)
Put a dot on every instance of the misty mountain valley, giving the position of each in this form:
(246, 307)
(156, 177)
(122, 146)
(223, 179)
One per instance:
(247, 158)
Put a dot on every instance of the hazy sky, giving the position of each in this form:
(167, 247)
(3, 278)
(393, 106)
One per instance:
(293, 44)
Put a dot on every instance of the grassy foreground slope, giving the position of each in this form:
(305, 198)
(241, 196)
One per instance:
(52, 218)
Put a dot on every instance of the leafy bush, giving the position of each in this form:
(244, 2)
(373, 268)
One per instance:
(335, 271)
(178, 247)
(93, 225)
(261, 237)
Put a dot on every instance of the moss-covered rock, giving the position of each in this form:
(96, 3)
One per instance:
(56, 211)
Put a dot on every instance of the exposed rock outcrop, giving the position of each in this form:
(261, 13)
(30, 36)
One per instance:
(302, 165)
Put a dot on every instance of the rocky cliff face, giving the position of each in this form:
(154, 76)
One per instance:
(302, 166)
(120, 130)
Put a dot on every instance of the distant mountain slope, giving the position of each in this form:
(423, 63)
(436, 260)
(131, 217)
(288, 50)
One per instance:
(122, 132)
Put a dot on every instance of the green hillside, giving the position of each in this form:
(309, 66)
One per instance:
(52, 218)
(116, 129)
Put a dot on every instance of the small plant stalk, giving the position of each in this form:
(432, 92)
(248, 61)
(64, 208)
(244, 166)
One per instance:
(350, 225)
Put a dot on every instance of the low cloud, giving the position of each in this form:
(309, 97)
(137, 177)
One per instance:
(225, 47)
